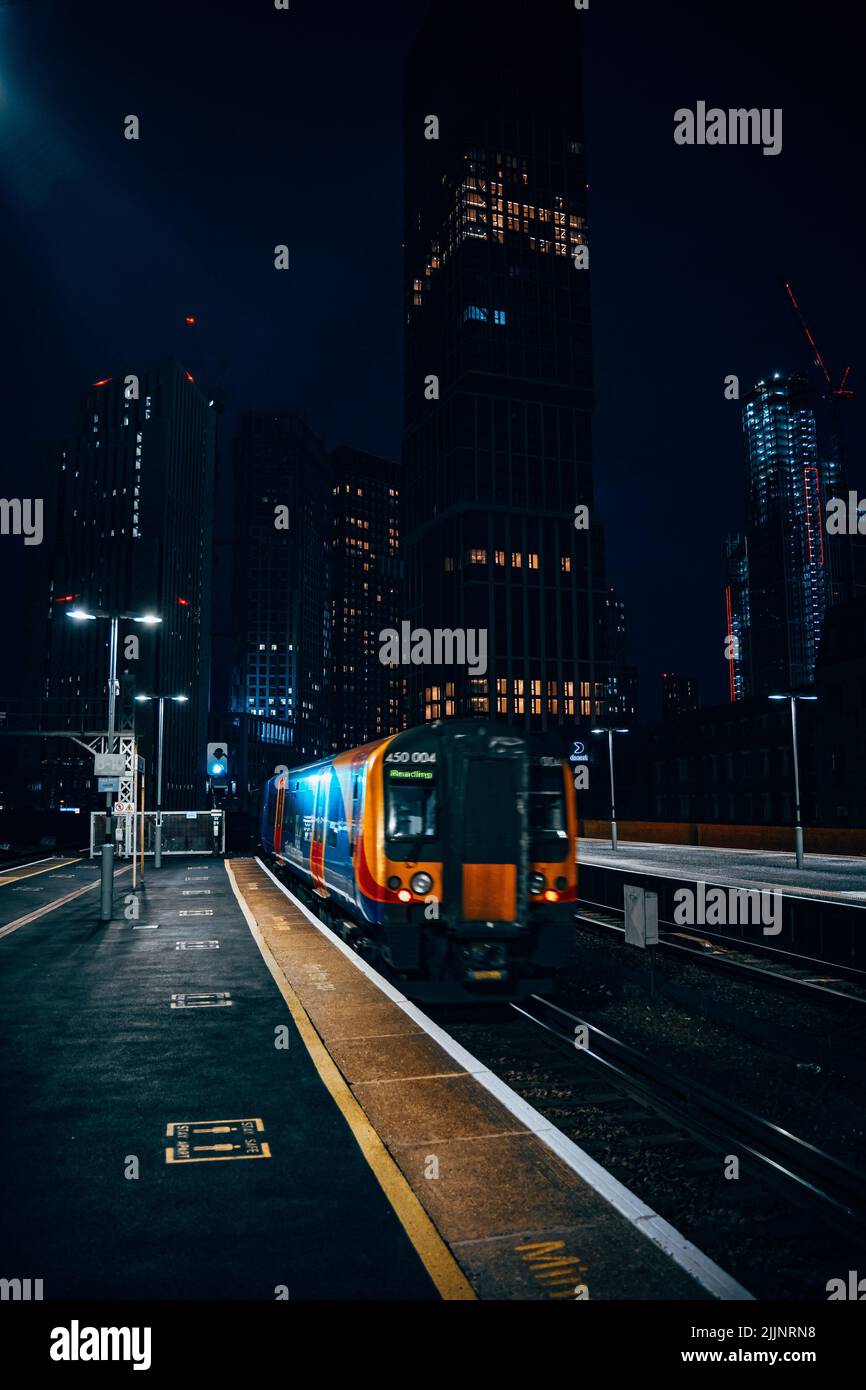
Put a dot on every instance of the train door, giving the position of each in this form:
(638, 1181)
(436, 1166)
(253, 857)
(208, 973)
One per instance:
(493, 834)
(320, 822)
(279, 811)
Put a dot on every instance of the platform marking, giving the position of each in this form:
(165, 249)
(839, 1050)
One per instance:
(13, 875)
(58, 902)
(550, 1267)
(220, 999)
(146, 926)
(702, 1269)
(446, 1274)
(215, 1141)
(196, 912)
(197, 946)
(195, 892)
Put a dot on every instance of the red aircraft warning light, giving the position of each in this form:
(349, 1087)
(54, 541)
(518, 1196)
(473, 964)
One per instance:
(190, 319)
(104, 382)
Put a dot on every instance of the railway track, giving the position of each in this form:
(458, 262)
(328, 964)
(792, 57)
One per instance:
(783, 1226)
(755, 962)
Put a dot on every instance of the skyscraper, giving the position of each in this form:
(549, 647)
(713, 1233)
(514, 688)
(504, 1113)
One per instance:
(281, 578)
(135, 512)
(498, 369)
(785, 546)
(366, 696)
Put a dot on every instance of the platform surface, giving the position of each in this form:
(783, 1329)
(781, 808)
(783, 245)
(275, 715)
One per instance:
(838, 878)
(209, 1098)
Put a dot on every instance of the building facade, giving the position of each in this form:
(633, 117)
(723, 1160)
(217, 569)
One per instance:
(779, 572)
(282, 585)
(366, 694)
(499, 528)
(135, 526)
(679, 695)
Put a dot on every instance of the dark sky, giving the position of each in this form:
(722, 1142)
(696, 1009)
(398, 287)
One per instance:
(259, 127)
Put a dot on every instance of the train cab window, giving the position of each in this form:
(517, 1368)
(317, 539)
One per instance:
(547, 818)
(410, 805)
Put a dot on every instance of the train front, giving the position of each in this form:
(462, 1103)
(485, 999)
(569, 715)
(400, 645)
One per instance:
(463, 862)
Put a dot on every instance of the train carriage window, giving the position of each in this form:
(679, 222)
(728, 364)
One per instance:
(547, 818)
(357, 787)
(411, 807)
(332, 833)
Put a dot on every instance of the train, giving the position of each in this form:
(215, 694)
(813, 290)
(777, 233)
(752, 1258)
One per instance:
(444, 854)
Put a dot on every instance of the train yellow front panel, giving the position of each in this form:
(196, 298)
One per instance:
(489, 892)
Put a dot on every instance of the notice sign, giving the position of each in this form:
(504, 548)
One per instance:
(213, 1141)
(109, 764)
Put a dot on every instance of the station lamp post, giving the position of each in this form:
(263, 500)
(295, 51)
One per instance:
(610, 733)
(86, 615)
(157, 835)
(798, 822)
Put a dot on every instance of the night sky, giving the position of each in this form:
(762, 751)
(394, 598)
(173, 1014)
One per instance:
(261, 127)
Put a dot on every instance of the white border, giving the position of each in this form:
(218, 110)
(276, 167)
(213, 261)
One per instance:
(699, 1266)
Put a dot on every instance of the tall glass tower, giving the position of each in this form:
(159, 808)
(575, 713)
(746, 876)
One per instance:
(786, 550)
(498, 365)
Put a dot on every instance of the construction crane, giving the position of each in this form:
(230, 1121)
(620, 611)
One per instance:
(834, 394)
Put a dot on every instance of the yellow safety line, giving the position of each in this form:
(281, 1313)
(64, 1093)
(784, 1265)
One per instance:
(4, 878)
(49, 907)
(437, 1259)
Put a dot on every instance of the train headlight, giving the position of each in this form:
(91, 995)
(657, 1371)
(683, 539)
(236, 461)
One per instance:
(551, 896)
(421, 883)
(536, 883)
(394, 882)
(404, 895)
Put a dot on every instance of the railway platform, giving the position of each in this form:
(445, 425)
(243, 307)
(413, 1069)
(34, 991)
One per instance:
(215, 1098)
(823, 878)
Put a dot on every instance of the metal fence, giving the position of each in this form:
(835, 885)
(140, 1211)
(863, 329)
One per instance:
(183, 832)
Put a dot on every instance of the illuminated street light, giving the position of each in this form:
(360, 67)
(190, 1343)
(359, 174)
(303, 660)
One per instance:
(798, 823)
(610, 733)
(82, 615)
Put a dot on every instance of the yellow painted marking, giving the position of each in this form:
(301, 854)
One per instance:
(550, 1268)
(59, 902)
(183, 1132)
(437, 1259)
(16, 876)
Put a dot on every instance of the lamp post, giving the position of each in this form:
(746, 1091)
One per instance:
(157, 835)
(610, 733)
(798, 822)
(84, 615)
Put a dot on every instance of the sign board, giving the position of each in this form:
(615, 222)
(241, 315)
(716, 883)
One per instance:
(123, 808)
(578, 753)
(641, 916)
(109, 764)
(109, 784)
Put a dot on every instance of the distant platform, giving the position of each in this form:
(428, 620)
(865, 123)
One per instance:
(835, 878)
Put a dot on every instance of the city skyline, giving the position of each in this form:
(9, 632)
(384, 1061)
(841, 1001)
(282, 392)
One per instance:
(629, 505)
